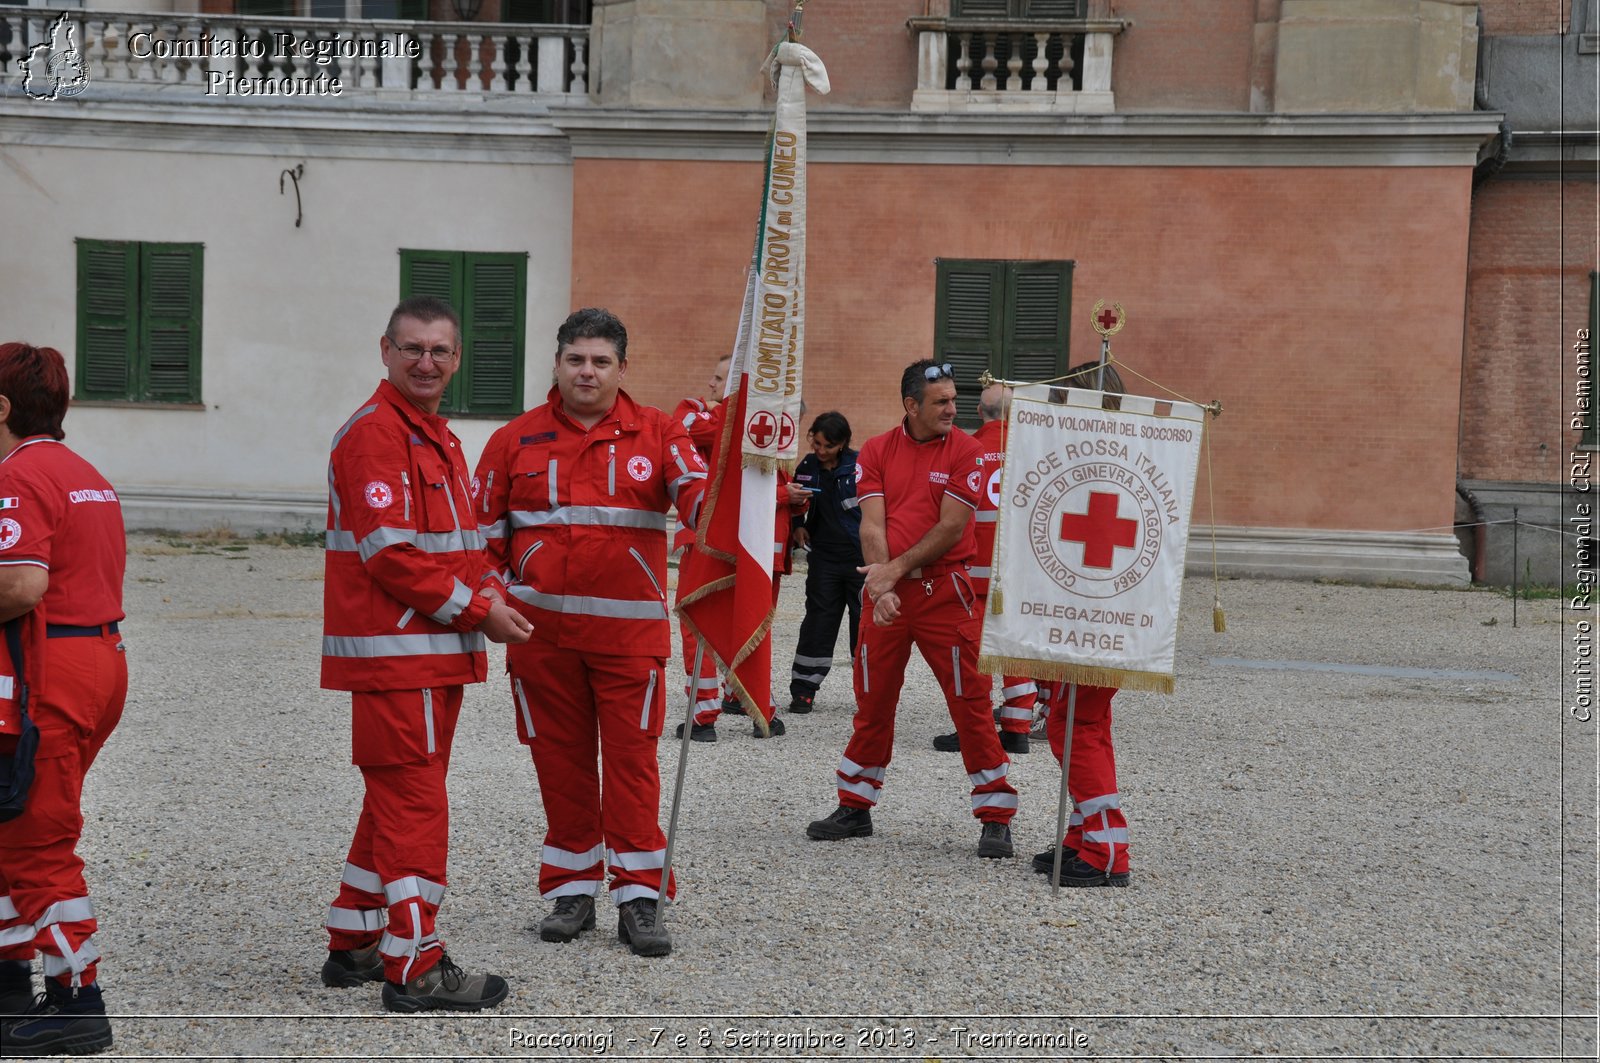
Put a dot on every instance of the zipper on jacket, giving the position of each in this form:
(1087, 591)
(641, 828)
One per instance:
(637, 556)
(405, 488)
(522, 562)
(611, 469)
(487, 488)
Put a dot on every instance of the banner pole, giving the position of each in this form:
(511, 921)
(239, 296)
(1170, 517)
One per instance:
(677, 787)
(1061, 805)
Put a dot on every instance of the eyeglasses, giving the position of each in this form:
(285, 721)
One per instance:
(412, 353)
(934, 372)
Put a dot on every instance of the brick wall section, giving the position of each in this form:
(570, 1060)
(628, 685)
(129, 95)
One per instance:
(1184, 55)
(1527, 295)
(870, 54)
(1324, 307)
(1525, 17)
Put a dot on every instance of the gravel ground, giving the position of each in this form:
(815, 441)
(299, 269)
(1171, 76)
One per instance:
(1325, 863)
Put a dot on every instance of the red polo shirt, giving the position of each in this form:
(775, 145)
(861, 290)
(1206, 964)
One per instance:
(57, 512)
(913, 479)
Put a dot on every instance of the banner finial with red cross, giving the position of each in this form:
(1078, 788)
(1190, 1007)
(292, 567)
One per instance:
(1108, 321)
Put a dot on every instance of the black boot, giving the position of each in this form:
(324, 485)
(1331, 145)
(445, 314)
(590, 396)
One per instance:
(62, 1021)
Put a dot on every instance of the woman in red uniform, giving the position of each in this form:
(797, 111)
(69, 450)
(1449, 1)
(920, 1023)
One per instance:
(62, 555)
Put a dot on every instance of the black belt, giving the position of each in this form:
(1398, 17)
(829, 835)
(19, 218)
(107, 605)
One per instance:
(73, 631)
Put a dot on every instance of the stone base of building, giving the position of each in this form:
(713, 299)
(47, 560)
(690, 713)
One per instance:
(1307, 553)
(1532, 531)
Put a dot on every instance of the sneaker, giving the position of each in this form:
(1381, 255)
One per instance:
(950, 743)
(60, 1021)
(800, 704)
(995, 841)
(701, 732)
(775, 725)
(1044, 862)
(1014, 741)
(444, 985)
(16, 987)
(1075, 872)
(572, 915)
(352, 967)
(638, 928)
(842, 822)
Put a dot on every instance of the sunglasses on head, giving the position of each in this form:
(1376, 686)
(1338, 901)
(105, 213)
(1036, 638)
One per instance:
(934, 372)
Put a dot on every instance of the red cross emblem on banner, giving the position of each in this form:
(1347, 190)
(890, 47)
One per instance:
(762, 428)
(1100, 530)
(786, 432)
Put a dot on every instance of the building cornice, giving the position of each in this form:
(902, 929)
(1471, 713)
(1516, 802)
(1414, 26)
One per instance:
(459, 129)
(1027, 139)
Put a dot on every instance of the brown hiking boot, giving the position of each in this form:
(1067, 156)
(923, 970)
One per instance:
(446, 986)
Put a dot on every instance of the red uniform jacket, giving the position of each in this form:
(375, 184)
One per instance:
(404, 556)
(576, 521)
(991, 435)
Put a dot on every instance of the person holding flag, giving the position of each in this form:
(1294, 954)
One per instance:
(918, 486)
(573, 502)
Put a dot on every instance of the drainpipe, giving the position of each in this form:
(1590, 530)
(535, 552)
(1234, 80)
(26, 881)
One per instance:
(1480, 532)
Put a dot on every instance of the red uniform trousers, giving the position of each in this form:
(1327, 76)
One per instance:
(394, 877)
(577, 711)
(1097, 829)
(940, 615)
(44, 902)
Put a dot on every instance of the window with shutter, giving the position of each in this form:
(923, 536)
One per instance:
(1035, 10)
(489, 291)
(1010, 318)
(139, 320)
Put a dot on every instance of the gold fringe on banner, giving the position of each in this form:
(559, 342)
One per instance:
(1062, 672)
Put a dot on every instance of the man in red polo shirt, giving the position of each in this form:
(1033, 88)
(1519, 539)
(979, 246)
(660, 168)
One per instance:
(62, 555)
(918, 486)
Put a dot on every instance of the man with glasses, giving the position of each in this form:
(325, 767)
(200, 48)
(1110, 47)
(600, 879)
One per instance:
(918, 486)
(408, 600)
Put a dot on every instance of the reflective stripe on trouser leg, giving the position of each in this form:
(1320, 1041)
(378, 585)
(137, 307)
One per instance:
(707, 685)
(1016, 710)
(861, 770)
(1098, 830)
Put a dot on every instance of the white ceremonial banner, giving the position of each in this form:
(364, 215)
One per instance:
(770, 348)
(1089, 545)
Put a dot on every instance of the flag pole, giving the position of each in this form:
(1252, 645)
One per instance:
(677, 787)
(1061, 805)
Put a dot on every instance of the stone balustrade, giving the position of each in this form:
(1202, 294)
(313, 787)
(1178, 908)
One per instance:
(229, 55)
(1014, 65)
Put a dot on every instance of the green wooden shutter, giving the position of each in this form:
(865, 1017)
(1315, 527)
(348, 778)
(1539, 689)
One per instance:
(492, 351)
(108, 316)
(439, 274)
(1038, 320)
(970, 304)
(170, 280)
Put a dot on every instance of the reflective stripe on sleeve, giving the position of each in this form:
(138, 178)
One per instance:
(459, 599)
(673, 487)
(497, 530)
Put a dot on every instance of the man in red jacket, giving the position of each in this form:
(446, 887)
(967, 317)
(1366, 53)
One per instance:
(574, 508)
(62, 556)
(408, 600)
(918, 485)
